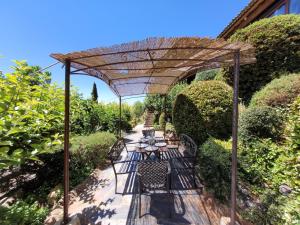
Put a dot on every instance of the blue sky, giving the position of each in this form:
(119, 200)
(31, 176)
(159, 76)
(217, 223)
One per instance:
(33, 29)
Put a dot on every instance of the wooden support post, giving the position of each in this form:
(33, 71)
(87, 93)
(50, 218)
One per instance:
(66, 139)
(120, 116)
(234, 138)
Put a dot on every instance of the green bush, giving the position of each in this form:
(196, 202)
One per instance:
(23, 213)
(162, 120)
(204, 108)
(31, 112)
(260, 122)
(214, 167)
(156, 102)
(277, 43)
(206, 75)
(88, 152)
(257, 159)
(293, 125)
(280, 92)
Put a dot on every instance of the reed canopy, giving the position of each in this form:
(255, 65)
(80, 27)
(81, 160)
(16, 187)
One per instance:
(153, 65)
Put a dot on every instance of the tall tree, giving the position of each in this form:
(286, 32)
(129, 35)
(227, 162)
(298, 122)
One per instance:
(94, 93)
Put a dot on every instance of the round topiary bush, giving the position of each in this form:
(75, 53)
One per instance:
(204, 108)
(277, 43)
(260, 122)
(279, 92)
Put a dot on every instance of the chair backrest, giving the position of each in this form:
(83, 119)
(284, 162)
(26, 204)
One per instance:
(153, 174)
(116, 150)
(190, 147)
(148, 132)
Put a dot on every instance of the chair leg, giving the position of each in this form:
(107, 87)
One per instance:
(194, 179)
(140, 205)
(116, 186)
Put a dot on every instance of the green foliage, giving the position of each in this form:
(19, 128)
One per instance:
(257, 158)
(267, 211)
(94, 93)
(31, 115)
(88, 117)
(207, 75)
(293, 125)
(162, 120)
(204, 108)
(23, 213)
(280, 92)
(156, 102)
(87, 153)
(214, 167)
(170, 127)
(138, 109)
(277, 43)
(260, 122)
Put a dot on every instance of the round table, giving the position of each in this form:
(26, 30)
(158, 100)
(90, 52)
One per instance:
(148, 151)
(159, 139)
(162, 149)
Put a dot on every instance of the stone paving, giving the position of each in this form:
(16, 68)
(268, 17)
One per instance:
(96, 202)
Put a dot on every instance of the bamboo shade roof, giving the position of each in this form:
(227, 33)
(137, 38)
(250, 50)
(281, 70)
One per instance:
(153, 65)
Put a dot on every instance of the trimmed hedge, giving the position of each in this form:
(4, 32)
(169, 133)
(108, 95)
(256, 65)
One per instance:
(293, 125)
(204, 108)
(87, 153)
(277, 43)
(278, 93)
(214, 167)
(260, 122)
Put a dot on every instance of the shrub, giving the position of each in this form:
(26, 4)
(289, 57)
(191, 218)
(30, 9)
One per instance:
(260, 122)
(156, 102)
(279, 93)
(162, 120)
(214, 167)
(88, 152)
(257, 159)
(23, 213)
(204, 108)
(206, 75)
(276, 40)
(293, 125)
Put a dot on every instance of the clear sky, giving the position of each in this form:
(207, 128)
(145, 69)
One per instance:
(33, 29)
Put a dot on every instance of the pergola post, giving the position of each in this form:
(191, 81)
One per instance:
(234, 137)
(66, 139)
(165, 102)
(120, 116)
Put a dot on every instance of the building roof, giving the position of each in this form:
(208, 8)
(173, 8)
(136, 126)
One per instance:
(249, 14)
(153, 65)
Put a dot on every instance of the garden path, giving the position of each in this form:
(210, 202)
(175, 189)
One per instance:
(96, 202)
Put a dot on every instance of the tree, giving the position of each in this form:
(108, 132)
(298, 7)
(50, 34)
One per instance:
(94, 93)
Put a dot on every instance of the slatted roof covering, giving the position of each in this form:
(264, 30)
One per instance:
(153, 65)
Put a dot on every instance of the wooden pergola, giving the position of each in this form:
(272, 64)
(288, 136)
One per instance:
(153, 66)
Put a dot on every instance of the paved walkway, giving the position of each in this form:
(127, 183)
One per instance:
(97, 202)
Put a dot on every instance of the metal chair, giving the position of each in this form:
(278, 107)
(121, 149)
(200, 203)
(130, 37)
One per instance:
(185, 163)
(153, 175)
(148, 133)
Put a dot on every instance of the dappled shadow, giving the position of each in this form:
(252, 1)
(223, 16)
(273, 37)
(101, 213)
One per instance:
(157, 208)
(94, 214)
(87, 190)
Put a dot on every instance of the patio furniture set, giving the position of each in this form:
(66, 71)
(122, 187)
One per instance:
(154, 161)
